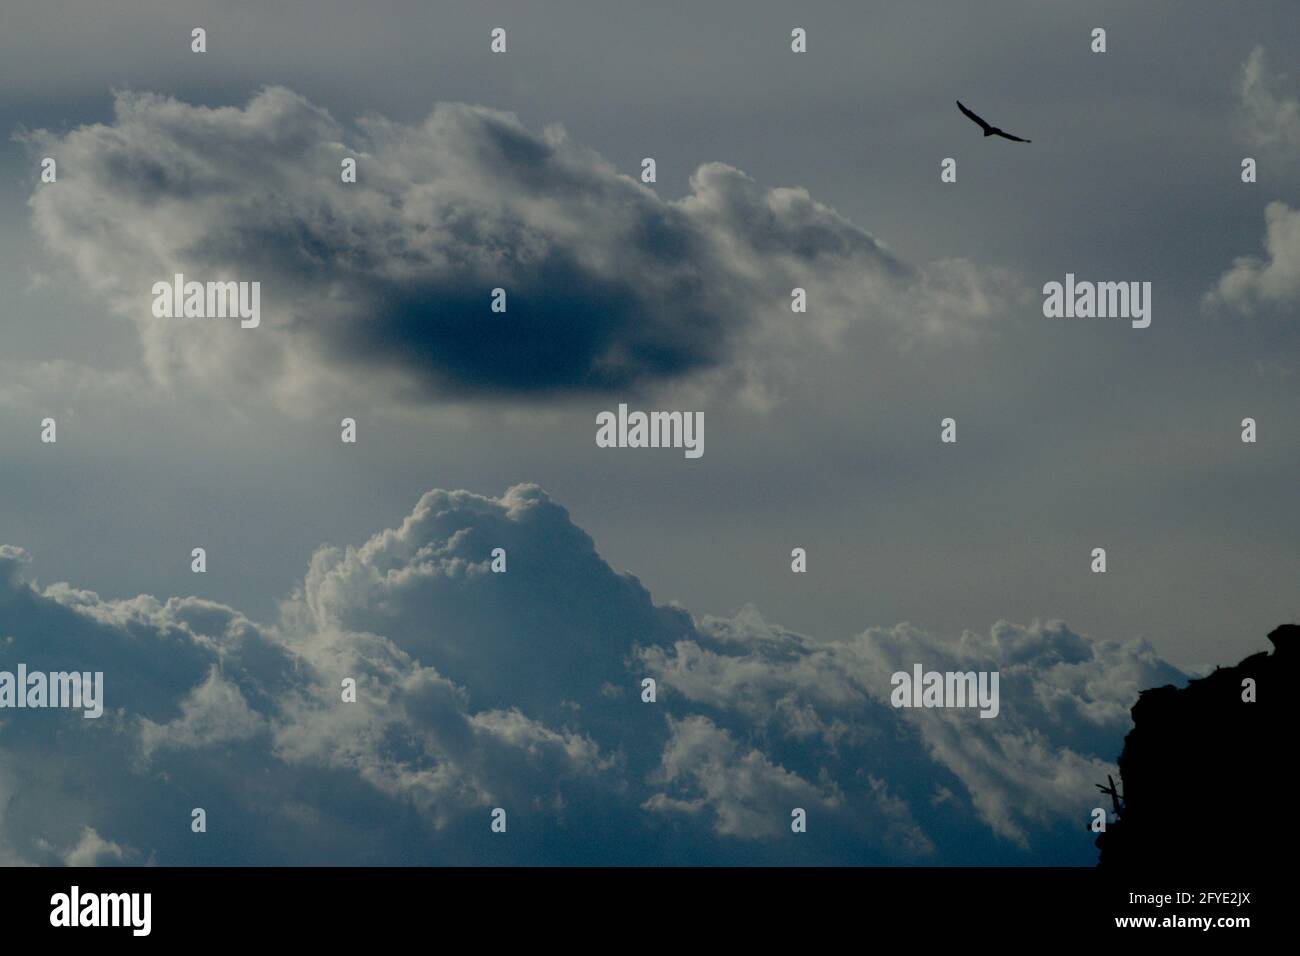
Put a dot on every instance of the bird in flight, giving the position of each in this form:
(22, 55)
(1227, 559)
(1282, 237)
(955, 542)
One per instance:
(990, 130)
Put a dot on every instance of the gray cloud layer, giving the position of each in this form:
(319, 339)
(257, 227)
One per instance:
(522, 690)
(383, 286)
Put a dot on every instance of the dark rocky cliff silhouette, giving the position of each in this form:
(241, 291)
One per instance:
(1206, 778)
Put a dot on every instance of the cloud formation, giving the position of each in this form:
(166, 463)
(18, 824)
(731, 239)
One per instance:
(1255, 284)
(1271, 117)
(383, 286)
(1065, 700)
(522, 690)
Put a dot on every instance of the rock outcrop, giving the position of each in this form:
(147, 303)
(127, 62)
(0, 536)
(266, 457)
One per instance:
(1206, 775)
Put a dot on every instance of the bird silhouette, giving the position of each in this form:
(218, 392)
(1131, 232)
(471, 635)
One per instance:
(990, 130)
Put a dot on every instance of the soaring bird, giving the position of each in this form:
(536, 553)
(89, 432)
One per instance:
(990, 130)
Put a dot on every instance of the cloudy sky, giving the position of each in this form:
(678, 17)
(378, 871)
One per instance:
(476, 430)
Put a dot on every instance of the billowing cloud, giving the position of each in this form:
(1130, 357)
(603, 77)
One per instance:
(738, 786)
(382, 287)
(1272, 282)
(1064, 704)
(214, 712)
(94, 850)
(522, 690)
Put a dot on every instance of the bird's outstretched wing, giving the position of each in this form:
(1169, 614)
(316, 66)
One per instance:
(998, 132)
(971, 116)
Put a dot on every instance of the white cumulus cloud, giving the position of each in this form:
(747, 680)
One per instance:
(522, 690)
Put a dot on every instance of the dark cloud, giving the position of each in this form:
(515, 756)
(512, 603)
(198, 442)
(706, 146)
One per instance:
(383, 286)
